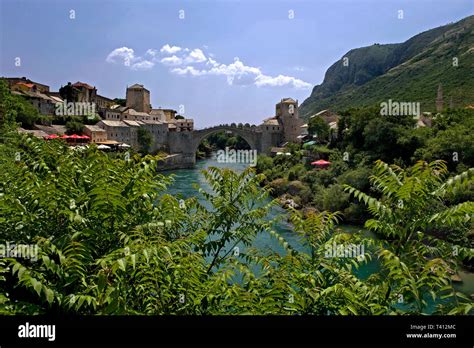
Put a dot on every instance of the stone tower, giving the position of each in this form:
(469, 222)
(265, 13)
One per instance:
(138, 98)
(439, 99)
(288, 116)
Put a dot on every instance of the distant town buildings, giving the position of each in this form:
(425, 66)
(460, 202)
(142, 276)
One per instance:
(122, 122)
(118, 123)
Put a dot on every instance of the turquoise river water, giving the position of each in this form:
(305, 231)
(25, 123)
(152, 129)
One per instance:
(183, 185)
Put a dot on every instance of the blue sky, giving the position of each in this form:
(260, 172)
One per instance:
(225, 61)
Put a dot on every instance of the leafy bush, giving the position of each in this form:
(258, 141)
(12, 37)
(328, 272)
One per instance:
(73, 127)
(279, 186)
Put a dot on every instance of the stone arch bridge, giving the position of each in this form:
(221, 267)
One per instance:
(185, 144)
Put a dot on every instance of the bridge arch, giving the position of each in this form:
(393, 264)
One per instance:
(248, 134)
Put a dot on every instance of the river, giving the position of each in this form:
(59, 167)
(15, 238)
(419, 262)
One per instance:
(184, 179)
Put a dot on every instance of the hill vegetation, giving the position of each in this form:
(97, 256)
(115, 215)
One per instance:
(410, 71)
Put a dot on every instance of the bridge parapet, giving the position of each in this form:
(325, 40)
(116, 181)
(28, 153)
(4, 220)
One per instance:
(187, 143)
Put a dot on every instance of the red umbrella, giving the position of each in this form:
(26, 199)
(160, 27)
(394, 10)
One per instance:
(75, 136)
(52, 136)
(321, 163)
(64, 136)
(84, 137)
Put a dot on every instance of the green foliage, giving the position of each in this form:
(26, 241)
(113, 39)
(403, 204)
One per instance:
(69, 93)
(110, 241)
(73, 127)
(408, 71)
(334, 198)
(145, 139)
(221, 140)
(453, 139)
(15, 108)
(418, 262)
(120, 101)
(317, 126)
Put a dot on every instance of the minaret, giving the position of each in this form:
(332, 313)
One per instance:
(439, 99)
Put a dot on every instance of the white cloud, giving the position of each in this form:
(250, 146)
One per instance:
(236, 68)
(152, 52)
(167, 49)
(123, 53)
(281, 80)
(188, 70)
(172, 61)
(143, 65)
(127, 57)
(180, 61)
(196, 56)
(212, 62)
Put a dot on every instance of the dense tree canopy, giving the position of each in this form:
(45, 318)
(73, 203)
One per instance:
(111, 242)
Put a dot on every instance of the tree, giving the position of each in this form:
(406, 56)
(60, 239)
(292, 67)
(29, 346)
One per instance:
(317, 126)
(74, 127)
(69, 92)
(14, 108)
(405, 217)
(145, 139)
(120, 101)
(229, 201)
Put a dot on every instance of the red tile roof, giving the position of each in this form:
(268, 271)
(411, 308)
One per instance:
(82, 84)
(29, 85)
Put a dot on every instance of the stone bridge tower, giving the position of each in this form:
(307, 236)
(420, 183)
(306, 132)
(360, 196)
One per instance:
(286, 112)
(138, 98)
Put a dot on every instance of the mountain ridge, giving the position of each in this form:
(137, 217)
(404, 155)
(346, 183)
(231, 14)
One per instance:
(411, 70)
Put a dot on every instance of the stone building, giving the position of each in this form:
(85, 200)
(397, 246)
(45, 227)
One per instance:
(103, 102)
(35, 95)
(97, 134)
(14, 80)
(138, 98)
(158, 115)
(81, 92)
(286, 112)
(132, 132)
(133, 115)
(170, 114)
(284, 127)
(182, 125)
(114, 112)
(159, 133)
(85, 93)
(116, 130)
